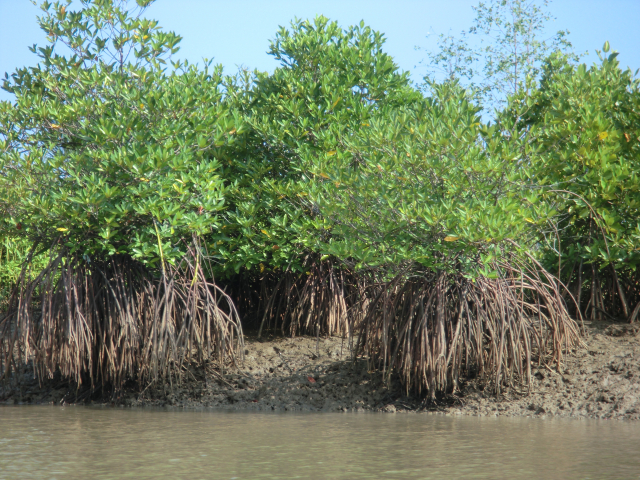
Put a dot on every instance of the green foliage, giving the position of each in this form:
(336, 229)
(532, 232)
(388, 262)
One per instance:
(577, 130)
(332, 187)
(586, 126)
(112, 165)
(105, 152)
(427, 184)
(13, 253)
(331, 82)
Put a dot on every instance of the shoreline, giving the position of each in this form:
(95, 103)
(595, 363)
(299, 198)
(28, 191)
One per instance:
(598, 380)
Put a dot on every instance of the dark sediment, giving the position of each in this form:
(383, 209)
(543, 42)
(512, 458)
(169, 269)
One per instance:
(598, 380)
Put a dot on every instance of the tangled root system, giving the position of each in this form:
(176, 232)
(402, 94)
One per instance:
(433, 327)
(111, 320)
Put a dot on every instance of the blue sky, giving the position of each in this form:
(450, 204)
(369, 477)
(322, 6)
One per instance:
(236, 33)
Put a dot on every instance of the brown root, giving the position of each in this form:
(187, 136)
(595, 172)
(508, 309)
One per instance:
(431, 328)
(320, 300)
(603, 293)
(112, 320)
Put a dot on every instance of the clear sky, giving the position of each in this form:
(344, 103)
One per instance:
(237, 32)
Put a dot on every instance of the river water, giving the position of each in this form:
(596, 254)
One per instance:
(101, 443)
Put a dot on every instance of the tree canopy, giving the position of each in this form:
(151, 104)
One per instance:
(157, 202)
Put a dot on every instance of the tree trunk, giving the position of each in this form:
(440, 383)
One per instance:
(593, 292)
(634, 314)
(623, 299)
(579, 294)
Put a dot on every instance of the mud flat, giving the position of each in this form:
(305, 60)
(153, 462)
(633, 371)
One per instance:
(599, 380)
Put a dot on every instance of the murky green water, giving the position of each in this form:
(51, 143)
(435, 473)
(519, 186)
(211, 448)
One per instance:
(75, 442)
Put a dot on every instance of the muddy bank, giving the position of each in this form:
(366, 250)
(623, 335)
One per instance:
(599, 380)
(290, 374)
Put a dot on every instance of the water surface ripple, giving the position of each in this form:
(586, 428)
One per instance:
(103, 443)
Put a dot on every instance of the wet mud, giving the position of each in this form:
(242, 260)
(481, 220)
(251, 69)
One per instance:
(600, 379)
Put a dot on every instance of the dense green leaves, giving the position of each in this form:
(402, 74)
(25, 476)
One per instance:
(426, 183)
(330, 84)
(335, 153)
(104, 151)
(332, 182)
(586, 126)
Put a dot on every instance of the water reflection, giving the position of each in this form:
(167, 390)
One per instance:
(75, 442)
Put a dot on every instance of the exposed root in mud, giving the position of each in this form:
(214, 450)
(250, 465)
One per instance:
(600, 379)
(105, 322)
(324, 299)
(433, 328)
